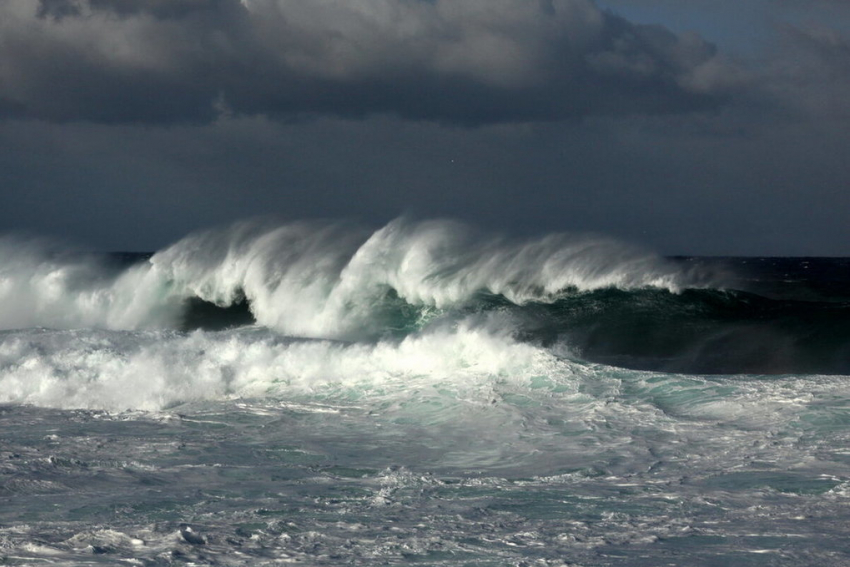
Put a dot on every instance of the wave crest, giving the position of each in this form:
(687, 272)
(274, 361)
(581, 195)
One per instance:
(327, 281)
(318, 280)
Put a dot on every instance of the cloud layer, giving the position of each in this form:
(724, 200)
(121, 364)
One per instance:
(459, 61)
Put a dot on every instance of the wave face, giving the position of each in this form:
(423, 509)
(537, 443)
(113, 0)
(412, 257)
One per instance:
(698, 331)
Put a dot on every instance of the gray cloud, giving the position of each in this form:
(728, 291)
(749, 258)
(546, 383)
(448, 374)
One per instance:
(809, 75)
(463, 61)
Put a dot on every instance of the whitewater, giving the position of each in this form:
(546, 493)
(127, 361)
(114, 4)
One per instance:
(321, 393)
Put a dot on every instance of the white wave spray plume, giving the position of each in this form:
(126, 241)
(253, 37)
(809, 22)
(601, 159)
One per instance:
(45, 285)
(333, 281)
(318, 280)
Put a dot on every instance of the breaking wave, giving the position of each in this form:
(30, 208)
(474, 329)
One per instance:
(315, 280)
(348, 288)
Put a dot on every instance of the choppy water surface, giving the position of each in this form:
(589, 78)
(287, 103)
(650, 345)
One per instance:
(449, 408)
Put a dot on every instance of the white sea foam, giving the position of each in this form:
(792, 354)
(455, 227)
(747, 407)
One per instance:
(156, 369)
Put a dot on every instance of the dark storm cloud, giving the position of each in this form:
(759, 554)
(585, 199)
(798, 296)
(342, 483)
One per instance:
(464, 61)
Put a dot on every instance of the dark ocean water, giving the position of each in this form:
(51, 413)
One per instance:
(772, 316)
(322, 394)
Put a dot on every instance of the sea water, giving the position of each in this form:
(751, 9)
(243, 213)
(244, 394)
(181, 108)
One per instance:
(321, 394)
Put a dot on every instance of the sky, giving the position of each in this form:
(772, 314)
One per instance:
(703, 127)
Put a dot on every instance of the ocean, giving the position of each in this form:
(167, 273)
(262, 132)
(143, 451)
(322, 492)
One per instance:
(319, 393)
